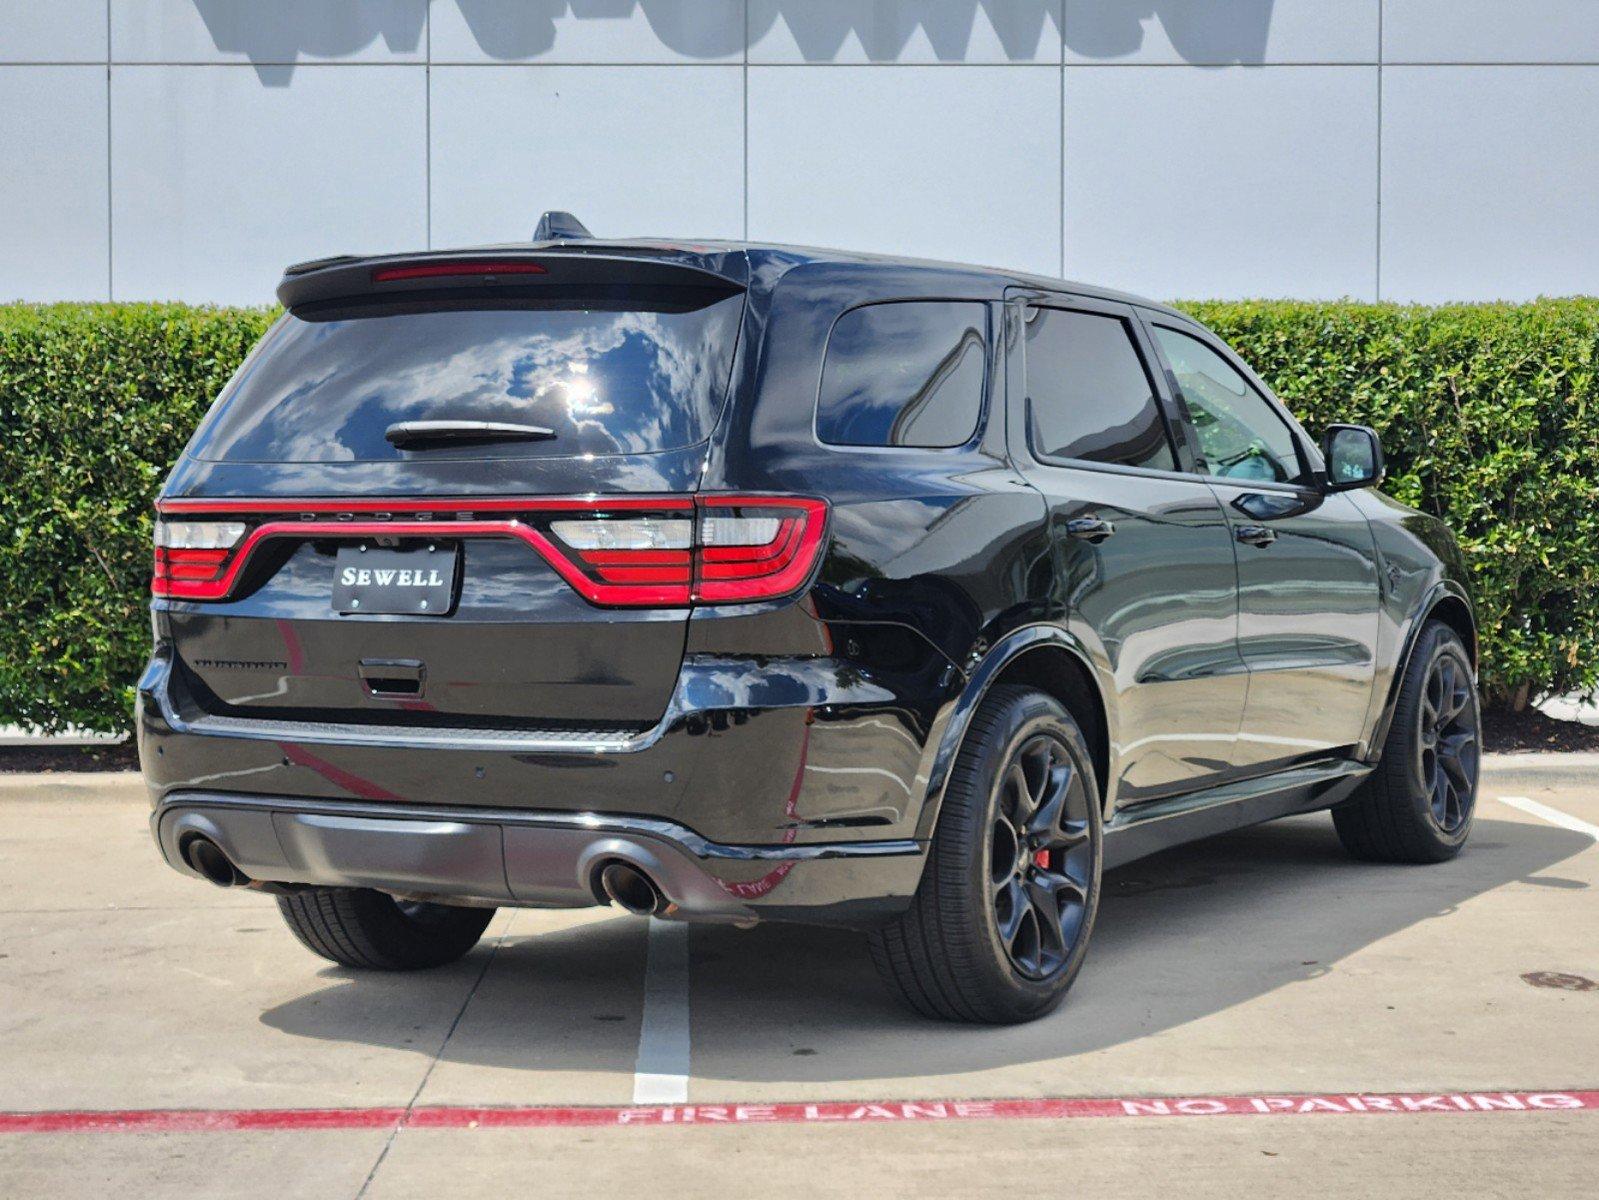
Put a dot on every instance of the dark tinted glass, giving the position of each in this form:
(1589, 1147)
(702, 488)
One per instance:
(606, 382)
(1091, 398)
(908, 373)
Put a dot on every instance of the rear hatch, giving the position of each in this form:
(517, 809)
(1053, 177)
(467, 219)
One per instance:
(454, 492)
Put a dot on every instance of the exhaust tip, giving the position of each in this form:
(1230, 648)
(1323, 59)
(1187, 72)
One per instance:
(206, 857)
(629, 888)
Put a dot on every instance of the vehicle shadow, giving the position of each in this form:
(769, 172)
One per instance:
(1181, 936)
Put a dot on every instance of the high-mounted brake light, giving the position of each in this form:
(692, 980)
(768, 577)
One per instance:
(618, 551)
(435, 270)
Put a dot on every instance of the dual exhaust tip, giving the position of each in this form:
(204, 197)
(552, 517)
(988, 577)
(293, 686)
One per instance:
(209, 859)
(630, 889)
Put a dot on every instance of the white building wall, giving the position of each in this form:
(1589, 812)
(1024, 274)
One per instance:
(1394, 149)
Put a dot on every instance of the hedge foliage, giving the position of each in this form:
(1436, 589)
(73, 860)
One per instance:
(1489, 415)
(96, 402)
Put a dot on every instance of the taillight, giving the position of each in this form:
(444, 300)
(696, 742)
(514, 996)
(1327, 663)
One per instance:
(737, 549)
(630, 560)
(621, 551)
(190, 556)
(756, 548)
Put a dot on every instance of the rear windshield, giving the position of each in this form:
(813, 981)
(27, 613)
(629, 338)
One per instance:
(616, 380)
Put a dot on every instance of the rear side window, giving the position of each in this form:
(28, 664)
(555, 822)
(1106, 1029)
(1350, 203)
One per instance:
(1090, 396)
(626, 377)
(904, 373)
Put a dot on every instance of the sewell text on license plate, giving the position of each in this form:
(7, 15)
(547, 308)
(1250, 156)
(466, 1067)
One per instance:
(376, 579)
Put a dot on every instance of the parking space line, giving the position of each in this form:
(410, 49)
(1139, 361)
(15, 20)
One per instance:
(1265, 1104)
(660, 1075)
(1553, 815)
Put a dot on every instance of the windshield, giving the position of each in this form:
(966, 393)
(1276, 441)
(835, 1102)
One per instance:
(627, 380)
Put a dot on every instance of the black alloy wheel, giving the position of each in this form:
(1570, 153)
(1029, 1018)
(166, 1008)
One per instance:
(1040, 858)
(1000, 924)
(1417, 805)
(1447, 745)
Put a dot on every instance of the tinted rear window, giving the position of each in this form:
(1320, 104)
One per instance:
(905, 373)
(629, 380)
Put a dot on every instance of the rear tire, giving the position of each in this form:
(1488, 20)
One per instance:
(368, 930)
(1418, 805)
(999, 926)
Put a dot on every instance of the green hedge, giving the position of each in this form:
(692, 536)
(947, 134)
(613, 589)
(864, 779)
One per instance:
(96, 402)
(1489, 414)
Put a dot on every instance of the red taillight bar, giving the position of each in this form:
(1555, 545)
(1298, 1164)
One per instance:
(434, 270)
(326, 506)
(651, 578)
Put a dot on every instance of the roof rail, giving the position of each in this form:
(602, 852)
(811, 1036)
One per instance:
(558, 226)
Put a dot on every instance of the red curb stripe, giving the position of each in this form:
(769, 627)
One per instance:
(168, 1120)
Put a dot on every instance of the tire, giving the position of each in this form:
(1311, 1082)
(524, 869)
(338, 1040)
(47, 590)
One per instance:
(962, 951)
(1418, 805)
(357, 927)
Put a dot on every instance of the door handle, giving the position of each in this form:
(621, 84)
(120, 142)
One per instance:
(1090, 529)
(1255, 535)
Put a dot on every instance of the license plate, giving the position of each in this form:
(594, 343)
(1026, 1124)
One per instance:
(373, 579)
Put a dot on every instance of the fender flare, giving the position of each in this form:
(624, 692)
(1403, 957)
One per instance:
(1444, 589)
(950, 729)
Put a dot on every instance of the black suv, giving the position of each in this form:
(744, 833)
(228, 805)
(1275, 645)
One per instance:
(731, 582)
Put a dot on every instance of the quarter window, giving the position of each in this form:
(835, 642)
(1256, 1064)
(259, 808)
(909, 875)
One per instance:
(1240, 435)
(1089, 394)
(904, 373)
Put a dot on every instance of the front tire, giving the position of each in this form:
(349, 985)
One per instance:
(368, 930)
(1418, 805)
(999, 926)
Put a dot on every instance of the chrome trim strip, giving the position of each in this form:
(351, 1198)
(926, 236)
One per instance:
(600, 823)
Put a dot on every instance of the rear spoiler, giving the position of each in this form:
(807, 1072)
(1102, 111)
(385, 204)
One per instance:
(476, 274)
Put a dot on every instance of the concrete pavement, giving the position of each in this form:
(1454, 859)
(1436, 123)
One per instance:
(1263, 962)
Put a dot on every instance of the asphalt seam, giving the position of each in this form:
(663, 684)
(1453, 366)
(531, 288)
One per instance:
(405, 1114)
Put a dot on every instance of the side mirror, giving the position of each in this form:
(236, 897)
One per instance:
(1354, 457)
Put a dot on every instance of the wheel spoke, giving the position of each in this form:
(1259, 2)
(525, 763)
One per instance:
(1011, 908)
(1035, 761)
(1045, 821)
(1055, 885)
(1021, 801)
(1042, 891)
(1068, 835)
(1452, 752)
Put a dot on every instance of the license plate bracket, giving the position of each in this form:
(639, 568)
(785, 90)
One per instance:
(417, 581)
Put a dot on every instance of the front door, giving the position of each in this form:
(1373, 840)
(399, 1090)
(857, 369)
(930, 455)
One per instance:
(1143, 553)
(1307, 572)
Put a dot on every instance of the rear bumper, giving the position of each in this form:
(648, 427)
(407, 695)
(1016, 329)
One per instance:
(792, 790)
(536, 860)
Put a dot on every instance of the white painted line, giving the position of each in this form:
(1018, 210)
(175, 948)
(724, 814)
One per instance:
(1553, 815)
(661, 1074)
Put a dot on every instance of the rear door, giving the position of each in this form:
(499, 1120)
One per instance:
(1143, 552)
(1307, 570)
(518, 555)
